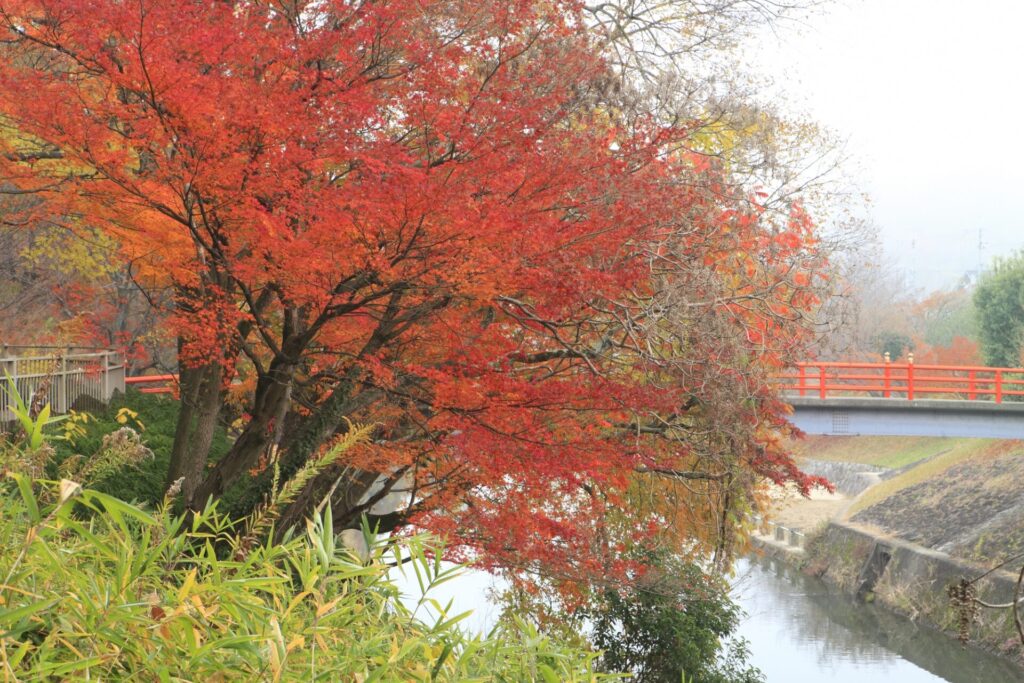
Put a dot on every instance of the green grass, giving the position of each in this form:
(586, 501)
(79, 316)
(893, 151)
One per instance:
(893, 452)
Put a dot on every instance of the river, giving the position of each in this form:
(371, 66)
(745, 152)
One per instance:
(800, 631)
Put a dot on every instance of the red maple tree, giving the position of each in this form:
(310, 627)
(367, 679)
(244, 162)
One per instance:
(429, 215)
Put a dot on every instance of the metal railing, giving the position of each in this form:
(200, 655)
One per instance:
(69, 373)
(154, 384)
(903, 381)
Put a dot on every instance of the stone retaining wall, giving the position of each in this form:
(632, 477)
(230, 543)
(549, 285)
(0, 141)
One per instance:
(911, 580)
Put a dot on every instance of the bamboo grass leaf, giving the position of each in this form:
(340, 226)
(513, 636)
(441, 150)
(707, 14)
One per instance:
(175, 608)
(17, 620)
(27, 496)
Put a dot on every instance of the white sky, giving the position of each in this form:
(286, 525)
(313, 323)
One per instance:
(929, 96)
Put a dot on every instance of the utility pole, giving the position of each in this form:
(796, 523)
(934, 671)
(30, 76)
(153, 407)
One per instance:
(981, 246)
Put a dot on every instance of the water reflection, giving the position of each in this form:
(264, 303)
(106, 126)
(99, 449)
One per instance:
(800, 631)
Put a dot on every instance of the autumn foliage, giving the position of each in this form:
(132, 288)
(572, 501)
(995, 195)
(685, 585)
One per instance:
(432, 216)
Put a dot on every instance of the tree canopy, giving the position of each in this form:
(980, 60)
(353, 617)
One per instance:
(438, 217)
(999, 301)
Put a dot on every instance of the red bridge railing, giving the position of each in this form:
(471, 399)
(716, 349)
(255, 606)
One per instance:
(831, 379)
(153, 384)
(903, 381)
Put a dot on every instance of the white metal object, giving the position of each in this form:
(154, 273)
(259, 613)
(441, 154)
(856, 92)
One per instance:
(72, 373)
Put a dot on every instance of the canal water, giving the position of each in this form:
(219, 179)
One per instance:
(800, 631)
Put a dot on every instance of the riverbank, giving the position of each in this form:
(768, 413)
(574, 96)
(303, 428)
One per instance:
(910, 516)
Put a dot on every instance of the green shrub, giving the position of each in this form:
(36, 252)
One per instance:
(123, 593)
(999, 302)
(679, 631)
(155, 419)
(675, 624)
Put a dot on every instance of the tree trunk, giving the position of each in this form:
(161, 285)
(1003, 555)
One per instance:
(201, 401)
(273, 398)
(309, 435)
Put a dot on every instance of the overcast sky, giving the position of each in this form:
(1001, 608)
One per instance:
(928, 95)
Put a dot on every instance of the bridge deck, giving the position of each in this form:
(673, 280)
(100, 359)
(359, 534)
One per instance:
(887, 417)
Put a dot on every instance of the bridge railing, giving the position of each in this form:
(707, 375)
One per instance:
(154, 384)
(903, 381)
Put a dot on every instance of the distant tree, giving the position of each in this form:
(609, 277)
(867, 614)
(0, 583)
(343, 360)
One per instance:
(895, 344)
(25, 300)
(999, 300)
(960, 351)
(869, 313)
(875, 313)
(945, 314)
(59, 286)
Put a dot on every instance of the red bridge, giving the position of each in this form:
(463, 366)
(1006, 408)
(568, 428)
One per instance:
(154, 384)
(905, 399)
(871, 398)
(833, 379)
(903, 380)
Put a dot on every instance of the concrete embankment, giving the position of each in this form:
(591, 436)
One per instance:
(910, 517)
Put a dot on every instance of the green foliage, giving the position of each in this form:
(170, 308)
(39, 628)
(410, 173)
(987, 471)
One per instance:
(119, 452)
(895, 344)
(26, 449)
(123, 593)
(999, 301)
(32, 426)
(98, 589)
(675, 625)
(676, 630)
(154, 417)
(943, 316)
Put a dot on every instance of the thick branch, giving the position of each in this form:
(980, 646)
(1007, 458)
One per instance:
(682, 474)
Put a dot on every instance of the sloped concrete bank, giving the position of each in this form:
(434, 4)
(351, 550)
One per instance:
(955, 511)
(849, 478)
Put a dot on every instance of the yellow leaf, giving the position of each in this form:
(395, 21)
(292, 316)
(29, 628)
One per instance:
(201, 608)
(187, 585)
(296, 642)
(327, 607)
